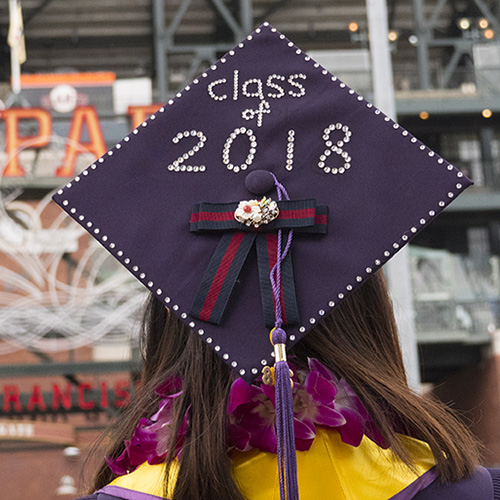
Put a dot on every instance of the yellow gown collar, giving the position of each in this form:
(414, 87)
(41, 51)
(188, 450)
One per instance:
(330, 469)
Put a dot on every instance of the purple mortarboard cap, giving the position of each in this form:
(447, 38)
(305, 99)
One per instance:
(193, 200)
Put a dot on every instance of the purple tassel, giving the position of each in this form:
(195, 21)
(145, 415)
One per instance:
(287, 459)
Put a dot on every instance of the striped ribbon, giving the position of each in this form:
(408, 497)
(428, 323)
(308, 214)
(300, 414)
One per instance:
(233, 249)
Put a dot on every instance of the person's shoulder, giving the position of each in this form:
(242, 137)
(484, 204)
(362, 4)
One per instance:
(484, 484)
(100, 496)
(104, 496)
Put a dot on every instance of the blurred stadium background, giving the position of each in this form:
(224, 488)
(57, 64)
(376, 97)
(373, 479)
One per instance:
(93, 70)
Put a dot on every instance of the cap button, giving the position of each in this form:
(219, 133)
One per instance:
(259, 181)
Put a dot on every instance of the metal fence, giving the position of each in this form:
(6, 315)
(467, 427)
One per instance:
(451, 320)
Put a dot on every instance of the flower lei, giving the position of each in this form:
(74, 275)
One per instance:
(319, 397)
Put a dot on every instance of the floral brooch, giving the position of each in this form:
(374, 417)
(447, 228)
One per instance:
(256, 212)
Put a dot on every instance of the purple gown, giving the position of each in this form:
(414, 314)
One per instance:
(483, 485)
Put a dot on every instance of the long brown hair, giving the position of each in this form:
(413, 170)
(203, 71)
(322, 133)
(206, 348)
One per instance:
(358, 341)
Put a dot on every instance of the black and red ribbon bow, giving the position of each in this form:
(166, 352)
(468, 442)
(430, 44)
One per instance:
(234, 246)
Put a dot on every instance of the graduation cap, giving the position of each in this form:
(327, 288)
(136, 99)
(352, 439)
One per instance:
(265, 158)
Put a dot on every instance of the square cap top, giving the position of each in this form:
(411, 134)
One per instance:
(162, 201)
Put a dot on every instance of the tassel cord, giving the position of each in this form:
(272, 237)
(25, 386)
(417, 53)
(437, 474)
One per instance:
(275, 275)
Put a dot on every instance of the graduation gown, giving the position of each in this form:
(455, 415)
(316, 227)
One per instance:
(330, 469)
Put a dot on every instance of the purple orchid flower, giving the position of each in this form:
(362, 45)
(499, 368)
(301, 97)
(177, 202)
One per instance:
(149, 440)
(357, 420)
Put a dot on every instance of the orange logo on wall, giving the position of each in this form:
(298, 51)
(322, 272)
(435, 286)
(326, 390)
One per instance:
(84, 118)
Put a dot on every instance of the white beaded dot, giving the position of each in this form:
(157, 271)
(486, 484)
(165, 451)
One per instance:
(201, 331)
(167, 300)
(150, 284)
